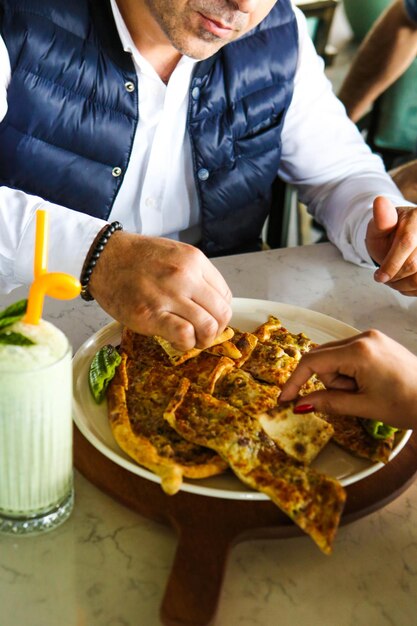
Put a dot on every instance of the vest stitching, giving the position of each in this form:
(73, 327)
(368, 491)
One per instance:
(47, 19)
(75, 93)
(231, 106)
(235, 157)
(49, 143)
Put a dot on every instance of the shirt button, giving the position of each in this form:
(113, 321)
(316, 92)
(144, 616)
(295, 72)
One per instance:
(150, 203)
(203, 174)
(195, 93)
(129, 86)
(116, 171)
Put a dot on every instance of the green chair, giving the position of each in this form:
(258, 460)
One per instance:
(361, 14)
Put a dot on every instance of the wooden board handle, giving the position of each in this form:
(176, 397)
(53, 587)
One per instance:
(193, 589)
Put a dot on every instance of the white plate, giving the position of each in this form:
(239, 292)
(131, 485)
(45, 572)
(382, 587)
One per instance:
(91, 418)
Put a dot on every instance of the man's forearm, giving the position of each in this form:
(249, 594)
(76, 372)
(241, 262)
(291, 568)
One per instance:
(387, 51)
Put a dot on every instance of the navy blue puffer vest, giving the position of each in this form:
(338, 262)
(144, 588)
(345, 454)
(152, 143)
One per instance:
(73, 113)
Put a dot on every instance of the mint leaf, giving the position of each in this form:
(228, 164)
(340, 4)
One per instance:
(13, 313)
(17, 309)
(15, 339)
(8, 321)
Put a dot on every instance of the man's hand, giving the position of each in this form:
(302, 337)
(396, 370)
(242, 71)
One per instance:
(391, 240)
(157, 286)
(367, 375)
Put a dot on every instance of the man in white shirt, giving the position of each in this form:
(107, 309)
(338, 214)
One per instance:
(149, 276)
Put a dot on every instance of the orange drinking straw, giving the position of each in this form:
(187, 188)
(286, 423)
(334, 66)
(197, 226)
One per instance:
(55, 284)
(41, 243)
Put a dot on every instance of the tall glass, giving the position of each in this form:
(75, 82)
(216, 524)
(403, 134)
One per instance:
(36, 473)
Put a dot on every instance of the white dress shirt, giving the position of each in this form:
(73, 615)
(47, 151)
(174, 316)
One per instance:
(323, 155)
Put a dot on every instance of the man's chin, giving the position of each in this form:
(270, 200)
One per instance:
(201, 50)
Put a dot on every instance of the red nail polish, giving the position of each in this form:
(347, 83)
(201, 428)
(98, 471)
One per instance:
(304, 408)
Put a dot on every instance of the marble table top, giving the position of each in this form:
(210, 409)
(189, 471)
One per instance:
(108, 566)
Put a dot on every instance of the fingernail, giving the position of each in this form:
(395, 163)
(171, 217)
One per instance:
(381, 277)
(303, 408)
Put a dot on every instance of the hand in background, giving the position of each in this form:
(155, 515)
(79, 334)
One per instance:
(157, 286)
(367, 375)
(391, 240)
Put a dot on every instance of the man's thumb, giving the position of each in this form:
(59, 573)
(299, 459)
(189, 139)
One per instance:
(385, 215)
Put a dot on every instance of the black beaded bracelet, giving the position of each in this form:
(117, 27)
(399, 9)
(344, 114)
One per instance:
(94, 256)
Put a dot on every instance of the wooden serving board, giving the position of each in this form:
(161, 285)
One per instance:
(208, 527)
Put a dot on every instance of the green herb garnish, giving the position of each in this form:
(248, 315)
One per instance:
(102, 369)
(378, 430)
(8, 321)
(13, 313)
(15, 339)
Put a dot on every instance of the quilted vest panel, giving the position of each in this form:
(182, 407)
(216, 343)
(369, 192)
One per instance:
(71, 118)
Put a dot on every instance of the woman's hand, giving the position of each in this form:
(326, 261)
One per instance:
(157, 286)
(368, 375)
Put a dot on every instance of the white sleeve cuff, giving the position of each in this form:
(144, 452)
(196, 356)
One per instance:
(70, 237)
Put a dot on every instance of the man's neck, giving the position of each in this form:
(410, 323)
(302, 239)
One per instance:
(148, 37)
